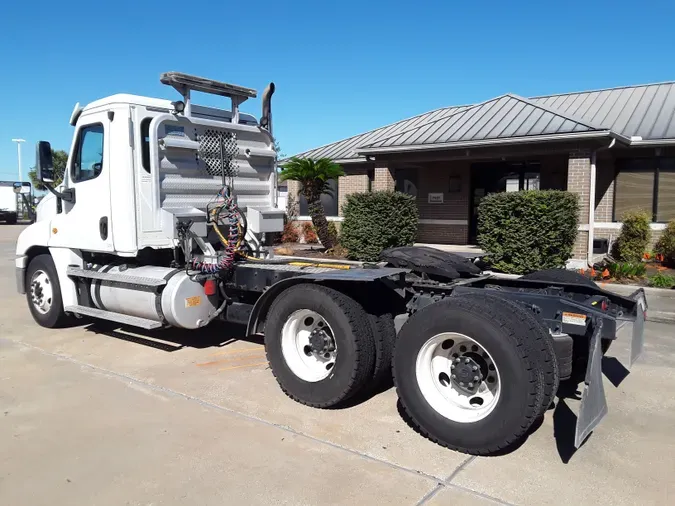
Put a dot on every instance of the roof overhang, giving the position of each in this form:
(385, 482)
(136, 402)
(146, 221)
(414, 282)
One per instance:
(535, 139)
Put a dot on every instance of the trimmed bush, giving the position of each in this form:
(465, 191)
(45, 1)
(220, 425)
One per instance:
(376, 221)
(527, 231)
(634, 238)
(665, 246)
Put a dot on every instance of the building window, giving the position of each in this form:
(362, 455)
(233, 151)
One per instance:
(371, 179)
(329, 201)
(645, 184)
(145, 143)
(406, 181)
(88, 161)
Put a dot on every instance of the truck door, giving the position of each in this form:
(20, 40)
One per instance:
(85, 224)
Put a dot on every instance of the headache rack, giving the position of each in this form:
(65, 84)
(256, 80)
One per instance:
(185, 83)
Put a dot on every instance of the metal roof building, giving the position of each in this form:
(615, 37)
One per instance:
(636, 115)
(615, 148)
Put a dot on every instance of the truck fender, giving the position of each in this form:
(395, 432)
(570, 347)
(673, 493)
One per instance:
(35, 235)
(262, 305)
(63, 257)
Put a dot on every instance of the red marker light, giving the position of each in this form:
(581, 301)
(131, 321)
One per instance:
(604, 305)
(210, 287)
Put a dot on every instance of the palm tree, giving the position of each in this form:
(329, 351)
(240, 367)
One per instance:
(314, 176)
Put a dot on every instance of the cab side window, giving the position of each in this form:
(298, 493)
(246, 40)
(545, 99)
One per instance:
(88, 161)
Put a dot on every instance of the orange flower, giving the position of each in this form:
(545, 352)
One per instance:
(605, 273)
(647, 256)
(592, 272)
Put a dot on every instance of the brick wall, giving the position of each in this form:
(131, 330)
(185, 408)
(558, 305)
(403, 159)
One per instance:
(579, 182)
(355, 181)
(604, 190)
(442, 234)
(435, 178)
(384, 179)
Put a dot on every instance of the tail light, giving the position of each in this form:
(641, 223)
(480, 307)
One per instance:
(210, 287)
(604, 305)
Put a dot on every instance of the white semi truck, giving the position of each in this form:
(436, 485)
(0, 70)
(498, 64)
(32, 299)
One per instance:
(10, 193)
(161, 220)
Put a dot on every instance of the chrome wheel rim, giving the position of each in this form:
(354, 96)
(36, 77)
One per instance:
(458, 377)
(308, 345)
(41, 292)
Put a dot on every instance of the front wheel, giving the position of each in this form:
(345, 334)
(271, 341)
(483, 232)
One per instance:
(43, 293)
(467, 374)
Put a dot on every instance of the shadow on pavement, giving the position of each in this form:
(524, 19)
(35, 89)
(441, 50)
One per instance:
(172, 339)
(614, 370)
(564, 427)
(504, 451)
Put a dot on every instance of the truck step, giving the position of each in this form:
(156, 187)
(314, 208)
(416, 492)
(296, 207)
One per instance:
(116, 277)
(134, 321)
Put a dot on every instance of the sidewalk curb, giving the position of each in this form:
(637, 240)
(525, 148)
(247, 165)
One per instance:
(660, 316)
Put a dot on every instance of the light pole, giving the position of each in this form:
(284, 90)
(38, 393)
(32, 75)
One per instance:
(18, 152)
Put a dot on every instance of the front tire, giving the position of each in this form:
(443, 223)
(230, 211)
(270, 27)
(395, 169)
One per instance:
(487, 335)
(43, 293)
(319, 344)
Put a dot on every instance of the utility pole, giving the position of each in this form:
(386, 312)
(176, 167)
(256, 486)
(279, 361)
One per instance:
(18, 153)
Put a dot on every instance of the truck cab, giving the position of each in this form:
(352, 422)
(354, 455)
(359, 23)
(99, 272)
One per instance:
(139, 165)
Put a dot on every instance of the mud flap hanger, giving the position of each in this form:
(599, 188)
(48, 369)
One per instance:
(593, 401)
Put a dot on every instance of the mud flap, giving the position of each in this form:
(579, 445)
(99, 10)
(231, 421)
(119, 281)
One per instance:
(593, 402)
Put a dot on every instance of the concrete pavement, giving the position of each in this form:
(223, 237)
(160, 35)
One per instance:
(102, 415)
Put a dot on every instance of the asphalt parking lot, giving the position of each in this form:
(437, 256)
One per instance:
(98, 415)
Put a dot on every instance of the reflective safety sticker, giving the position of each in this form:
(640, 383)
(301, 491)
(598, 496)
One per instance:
(193, 301)
(574, 318)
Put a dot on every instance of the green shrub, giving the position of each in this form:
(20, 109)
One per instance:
(634, 238)
(666, 244)
(627, 270)
(660, 280)
(527, 231)
(333, 231)
(376, 221)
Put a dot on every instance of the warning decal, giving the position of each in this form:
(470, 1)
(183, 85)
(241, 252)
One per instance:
(574, 318)
(193, 301)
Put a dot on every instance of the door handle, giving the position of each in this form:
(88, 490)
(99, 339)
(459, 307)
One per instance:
(103, 227)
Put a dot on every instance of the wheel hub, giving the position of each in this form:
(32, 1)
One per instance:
(41, 292)
(320, 342)
(466, 374)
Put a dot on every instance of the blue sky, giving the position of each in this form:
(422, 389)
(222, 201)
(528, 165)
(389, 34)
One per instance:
(341, 68)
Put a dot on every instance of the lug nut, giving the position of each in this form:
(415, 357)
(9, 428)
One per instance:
(457, 360)
(452, 366)
(476, 378)
(461, 383)
(474, 368)
(453, 376)
(467, 360)
(470, 385)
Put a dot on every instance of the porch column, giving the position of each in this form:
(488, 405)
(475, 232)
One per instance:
(293, 191)
(579, 182)
(384, 178)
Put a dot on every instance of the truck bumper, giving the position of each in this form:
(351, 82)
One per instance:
(593, 401)
(20, 273)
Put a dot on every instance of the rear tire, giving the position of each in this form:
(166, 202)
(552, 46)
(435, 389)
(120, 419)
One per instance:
(496, 328)
(346, 368)
(43, 293)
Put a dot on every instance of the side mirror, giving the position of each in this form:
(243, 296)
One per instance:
(44, 167)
